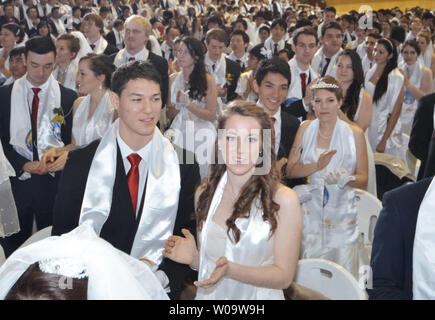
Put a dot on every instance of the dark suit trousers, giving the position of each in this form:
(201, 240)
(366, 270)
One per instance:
(34, 199)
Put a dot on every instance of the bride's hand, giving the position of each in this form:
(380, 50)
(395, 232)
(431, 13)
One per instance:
(219, 272)
(182, 249)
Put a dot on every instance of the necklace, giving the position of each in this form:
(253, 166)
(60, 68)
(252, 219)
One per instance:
(324, 137)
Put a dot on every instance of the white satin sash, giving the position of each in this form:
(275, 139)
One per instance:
(161, 199)
(49, 122)
(423, 276)
(86, 130)
(102, 45)
(254, 249)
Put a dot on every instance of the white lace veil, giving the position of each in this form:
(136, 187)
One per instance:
(112, 274)
(85, 48)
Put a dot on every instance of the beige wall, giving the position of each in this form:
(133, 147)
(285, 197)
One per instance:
(344, 6)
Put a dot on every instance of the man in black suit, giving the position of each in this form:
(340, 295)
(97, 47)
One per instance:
(272, 81)
(139, 217)
(422, 134)
(30, 124)
(226, 72)
(93, 28)
(137, 31)
(393, 243)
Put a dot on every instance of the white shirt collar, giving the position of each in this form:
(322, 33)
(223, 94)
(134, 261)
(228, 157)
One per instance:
(126, 150)
(138, 56)
(29, 86)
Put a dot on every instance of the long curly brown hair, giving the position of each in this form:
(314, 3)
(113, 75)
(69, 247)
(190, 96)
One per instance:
(262, 186)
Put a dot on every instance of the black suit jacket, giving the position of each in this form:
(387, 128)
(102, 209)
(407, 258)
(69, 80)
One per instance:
(110, 49)
(289, 128)
(232, 74)
(422, 129)
(429, 169)
(162, 67)
(17, 161)
(296, 108)
(393, 242)
(111, 39)
(121, 226)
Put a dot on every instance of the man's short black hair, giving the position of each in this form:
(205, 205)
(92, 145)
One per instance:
(331, 9)
(40, 45)
(279, 22)
(303, 23)
(241, 33)
(309, 31)
(398, 34)
(134, 71)
(273, 65)
(331, 25)
(18, 51)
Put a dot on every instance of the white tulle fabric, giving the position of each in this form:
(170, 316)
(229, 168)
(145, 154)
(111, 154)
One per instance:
(86, 130)
(254, 249)
(423, 283)
(112, 274)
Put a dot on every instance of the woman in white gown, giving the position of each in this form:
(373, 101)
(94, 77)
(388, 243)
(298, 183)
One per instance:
(357, 105)
(92, 112)
(385, 83)
(249, 224)
(193, 98)
(244, 86)
(65, 70)
(418, 82)
(333, 155)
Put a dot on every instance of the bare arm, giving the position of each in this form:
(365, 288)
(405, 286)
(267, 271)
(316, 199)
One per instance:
(392, 121)
(361, 169)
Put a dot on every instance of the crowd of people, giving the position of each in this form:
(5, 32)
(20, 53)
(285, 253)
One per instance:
(213, 142)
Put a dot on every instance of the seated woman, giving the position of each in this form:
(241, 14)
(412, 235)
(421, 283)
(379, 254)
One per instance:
(357, 105)
(65, 70)
(418, 82)
(92, 112)
(385, 83)
(249, 223)
(427, 54)
(43, 30)
(193, 98)
(332, 153)
(245, 89)
(78, 265)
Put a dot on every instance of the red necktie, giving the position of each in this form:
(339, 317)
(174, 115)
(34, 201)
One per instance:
(303, 83)
(35, 105)
(133, 178)
(92, 47)
(131, 59)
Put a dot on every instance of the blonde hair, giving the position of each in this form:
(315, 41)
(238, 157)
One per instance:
(141, 20)
(425, 34)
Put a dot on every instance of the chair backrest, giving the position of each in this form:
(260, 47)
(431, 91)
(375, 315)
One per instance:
(39, 235)
(329, 279)
(368, 208)
(2, 256)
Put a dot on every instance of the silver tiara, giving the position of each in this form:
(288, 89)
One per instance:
(64, 267)
(324, 85)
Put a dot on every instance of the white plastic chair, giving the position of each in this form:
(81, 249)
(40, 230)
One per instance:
(2, 256)
(368, 208)
(41, 234)
(329, 279)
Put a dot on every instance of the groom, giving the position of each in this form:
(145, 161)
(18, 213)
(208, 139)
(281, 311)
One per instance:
(130, 184)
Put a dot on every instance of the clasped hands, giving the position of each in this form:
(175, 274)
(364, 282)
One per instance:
(339, 177)
(52, 161)
(183, 250)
